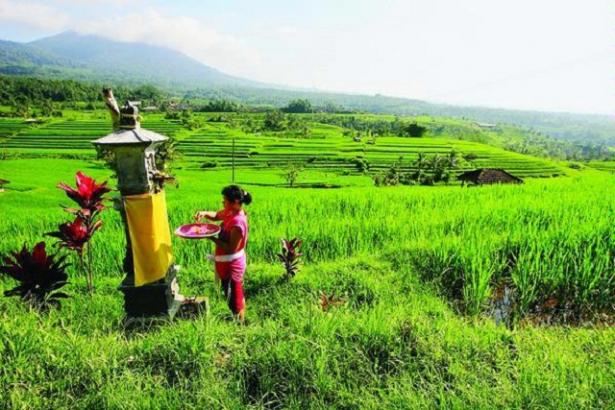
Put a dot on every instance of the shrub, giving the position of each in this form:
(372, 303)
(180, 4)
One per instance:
(290, 256)
(39, 275)
(292, 174)
(77, 235)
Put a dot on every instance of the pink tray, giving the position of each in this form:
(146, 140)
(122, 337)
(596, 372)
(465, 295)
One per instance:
(197, 231)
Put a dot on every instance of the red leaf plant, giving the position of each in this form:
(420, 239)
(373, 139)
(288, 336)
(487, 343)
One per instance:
(88, 194)
(39, 274)
(290, 256)
(76, 235)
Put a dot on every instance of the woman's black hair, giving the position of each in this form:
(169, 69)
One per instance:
(235, 193)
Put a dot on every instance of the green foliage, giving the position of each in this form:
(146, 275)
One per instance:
(219, 105)
(362, 164)
(425, 171)
(291, 174)
(275, 121)
(300, 106)
(410, 130)
(41, 91)
(167, 154)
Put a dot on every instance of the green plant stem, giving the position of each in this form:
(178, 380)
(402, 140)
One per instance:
(89, 269)
(82, 263)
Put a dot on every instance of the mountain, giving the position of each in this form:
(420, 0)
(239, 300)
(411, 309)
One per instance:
(96, 59)
(88, 57)
(18, 58)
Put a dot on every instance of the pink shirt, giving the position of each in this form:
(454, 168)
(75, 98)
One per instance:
(232, 220)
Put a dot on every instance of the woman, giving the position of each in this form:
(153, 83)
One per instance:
(230, 257)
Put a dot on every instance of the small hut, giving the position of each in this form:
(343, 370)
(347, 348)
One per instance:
(483, 176)
(3, 182)
(486, 125)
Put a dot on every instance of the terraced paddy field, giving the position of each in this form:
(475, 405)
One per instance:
(414, 275)
(71, 134)
(11, 126)
(326, 148)
(608, 166)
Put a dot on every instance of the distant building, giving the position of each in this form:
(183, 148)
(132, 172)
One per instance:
(178, 106)
(485, 125)
(483, 176)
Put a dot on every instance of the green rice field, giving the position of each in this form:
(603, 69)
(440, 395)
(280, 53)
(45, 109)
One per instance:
(608, 166)
(445, 297)
(326, 148)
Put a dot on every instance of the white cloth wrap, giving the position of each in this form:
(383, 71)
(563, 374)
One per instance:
(226, 258)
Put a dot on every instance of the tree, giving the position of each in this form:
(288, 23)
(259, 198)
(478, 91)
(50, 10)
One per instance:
(413, 130)
(22, 106)
(219, 106)
(292, 174)
(298, 106)
(274, 121)
(147, 94)
(420, 165)
(330, 107)
(47, 108)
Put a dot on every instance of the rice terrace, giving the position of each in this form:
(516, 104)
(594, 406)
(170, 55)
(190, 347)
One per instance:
(175, 237)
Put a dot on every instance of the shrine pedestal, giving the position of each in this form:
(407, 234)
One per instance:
(160, 298)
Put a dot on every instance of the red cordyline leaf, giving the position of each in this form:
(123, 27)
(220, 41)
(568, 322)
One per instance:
(74, 235)
(88, 193)
(38, 274)
(39, 256)
(290, 255)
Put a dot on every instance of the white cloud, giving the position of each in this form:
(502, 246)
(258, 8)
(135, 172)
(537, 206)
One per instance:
(153, 26)
(33, 14)
(525, 54)
(186, 34)
(98, 2)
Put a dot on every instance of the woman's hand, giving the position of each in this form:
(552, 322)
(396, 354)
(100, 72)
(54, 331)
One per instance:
(211, 215)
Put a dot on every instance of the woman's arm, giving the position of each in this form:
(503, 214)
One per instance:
(211, 215)
(233, 243)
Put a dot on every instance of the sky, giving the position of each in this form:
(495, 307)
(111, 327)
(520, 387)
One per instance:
(550, 55)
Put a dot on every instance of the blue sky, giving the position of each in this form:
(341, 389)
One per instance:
(528, 54)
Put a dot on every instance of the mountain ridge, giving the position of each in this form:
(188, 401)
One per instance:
(99, 58)
(85, 57)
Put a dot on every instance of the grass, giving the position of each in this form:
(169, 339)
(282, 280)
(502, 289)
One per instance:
(402, 350)
(417, 270)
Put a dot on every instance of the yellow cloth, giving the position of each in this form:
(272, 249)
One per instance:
(150, 236)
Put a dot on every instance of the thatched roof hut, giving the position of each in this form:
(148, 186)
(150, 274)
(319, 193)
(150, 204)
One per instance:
(483, 176)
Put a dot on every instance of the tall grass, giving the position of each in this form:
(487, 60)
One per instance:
(551, 238)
